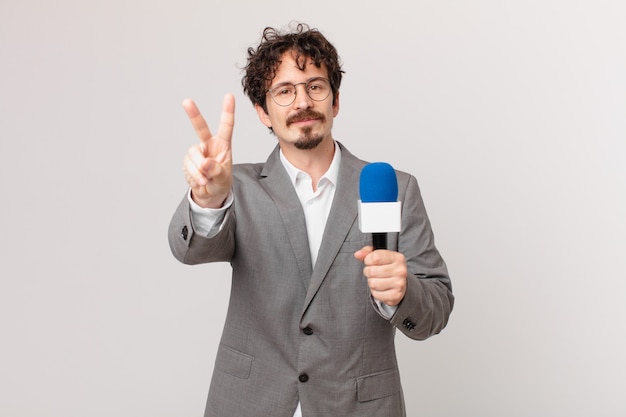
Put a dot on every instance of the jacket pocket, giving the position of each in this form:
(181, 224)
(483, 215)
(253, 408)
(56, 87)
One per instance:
(233, 362)
(354, 245)
(378, 385)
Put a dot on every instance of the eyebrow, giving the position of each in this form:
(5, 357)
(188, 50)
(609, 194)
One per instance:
(292, 83)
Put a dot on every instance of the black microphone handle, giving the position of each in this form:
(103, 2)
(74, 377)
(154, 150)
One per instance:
(379, 240)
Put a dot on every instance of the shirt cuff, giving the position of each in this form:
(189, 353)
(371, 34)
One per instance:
(208, 221)
(385, 310)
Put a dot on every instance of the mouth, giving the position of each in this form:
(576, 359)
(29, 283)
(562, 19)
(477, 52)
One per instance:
(305, 122)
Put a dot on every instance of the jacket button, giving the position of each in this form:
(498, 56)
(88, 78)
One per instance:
(184, 232)
(303, 378)
(307, 331)
(408, 324)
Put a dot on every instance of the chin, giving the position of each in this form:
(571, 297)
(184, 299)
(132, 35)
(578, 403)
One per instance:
(308, 142)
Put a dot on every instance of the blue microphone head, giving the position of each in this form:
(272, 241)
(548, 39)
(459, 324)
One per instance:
(378, 183)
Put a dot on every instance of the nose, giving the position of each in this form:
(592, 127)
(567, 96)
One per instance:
(302, 101)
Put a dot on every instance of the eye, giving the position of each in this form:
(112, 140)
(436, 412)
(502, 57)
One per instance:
(283, 90)
(318, 86)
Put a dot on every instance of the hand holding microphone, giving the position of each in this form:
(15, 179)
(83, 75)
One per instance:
(379, 214)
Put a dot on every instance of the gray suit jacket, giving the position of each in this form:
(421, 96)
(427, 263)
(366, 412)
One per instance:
(295, 332)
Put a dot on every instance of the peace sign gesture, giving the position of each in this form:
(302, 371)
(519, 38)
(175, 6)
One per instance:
(208, 164)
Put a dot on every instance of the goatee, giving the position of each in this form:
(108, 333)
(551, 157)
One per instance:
(308, 141)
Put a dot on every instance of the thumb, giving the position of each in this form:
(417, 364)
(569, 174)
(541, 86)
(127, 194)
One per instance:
(363, 252)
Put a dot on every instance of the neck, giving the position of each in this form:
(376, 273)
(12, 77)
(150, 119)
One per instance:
(315, 162)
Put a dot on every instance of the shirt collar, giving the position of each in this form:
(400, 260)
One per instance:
(332, 174)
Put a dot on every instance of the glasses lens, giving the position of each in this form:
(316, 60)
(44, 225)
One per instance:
(283, 94)
(318, 89)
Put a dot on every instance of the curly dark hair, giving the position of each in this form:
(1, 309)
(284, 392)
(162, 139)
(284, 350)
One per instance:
(265, 59)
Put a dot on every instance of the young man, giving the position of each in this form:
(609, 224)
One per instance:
(313, 308)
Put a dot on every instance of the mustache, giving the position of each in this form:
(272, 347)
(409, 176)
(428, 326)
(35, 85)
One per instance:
(305, 115)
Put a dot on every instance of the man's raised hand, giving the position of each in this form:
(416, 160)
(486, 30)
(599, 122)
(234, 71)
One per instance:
(208, 164)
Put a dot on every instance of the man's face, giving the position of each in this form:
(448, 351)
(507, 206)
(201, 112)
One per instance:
(305, 123)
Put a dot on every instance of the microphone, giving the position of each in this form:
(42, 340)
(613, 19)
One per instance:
(379, 210)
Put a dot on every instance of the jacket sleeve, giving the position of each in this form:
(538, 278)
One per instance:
(428, 301)
(190, 247)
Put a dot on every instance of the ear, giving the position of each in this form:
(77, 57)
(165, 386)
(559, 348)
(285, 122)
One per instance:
(263, 117)
(336, 105)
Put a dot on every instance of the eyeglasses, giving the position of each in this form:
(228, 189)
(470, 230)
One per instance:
(283, 94)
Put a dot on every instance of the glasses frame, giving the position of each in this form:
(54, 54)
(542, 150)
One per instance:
(306, 89)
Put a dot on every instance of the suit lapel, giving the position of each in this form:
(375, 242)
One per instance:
(276, 182)
(342, 215)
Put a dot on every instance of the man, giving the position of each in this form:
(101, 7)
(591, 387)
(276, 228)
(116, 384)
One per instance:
(313, 308)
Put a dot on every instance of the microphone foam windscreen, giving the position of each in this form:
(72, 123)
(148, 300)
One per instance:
(378, 183)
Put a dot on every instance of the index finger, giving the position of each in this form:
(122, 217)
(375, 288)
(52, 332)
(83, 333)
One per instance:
(380, 257)
(197, 121)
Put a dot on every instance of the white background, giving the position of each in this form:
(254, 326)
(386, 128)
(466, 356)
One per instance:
(512, 115)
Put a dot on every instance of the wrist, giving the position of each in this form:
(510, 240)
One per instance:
(210, 202)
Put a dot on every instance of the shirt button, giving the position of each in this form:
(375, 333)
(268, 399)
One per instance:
(303, 378)
(307, 331)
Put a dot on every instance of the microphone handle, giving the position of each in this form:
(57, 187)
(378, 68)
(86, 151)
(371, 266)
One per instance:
(379, 240)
